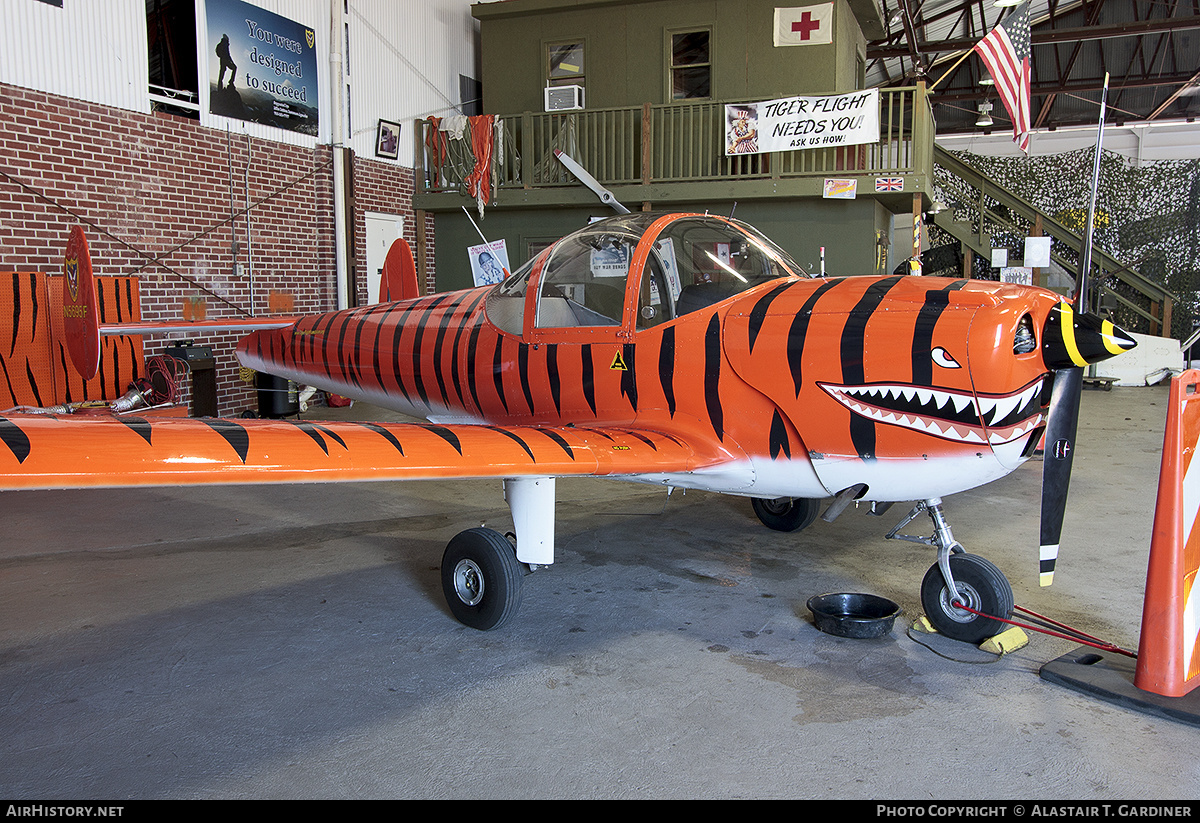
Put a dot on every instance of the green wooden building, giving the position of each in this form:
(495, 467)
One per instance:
(636, 92)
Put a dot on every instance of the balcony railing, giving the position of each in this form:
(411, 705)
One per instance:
(672, 143)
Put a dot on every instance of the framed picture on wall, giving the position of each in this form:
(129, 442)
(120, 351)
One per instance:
(387, 140)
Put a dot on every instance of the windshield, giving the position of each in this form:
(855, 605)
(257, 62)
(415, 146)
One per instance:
(708, 259)
(583, 283)
(693, 262)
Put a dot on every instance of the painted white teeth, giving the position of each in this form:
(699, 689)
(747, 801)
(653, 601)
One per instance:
(1005, 407)
(870, 402)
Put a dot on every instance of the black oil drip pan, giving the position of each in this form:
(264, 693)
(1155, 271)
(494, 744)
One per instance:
(853, 615)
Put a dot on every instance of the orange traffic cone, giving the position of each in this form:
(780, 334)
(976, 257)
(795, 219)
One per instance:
(1168, 659)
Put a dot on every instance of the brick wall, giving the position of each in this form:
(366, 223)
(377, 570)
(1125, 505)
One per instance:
(387, 188)
(155, 194)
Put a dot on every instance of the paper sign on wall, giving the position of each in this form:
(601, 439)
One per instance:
(1021, 275)
(1037, 251)
(840, 189)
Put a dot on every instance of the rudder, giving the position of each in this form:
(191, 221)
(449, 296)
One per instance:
(81, 311)
(399, 280)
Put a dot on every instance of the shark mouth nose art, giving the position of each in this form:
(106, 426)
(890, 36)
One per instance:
(949, 414)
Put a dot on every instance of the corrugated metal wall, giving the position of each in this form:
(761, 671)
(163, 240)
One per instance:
(90, 50)
(405, 62)
(404, 59)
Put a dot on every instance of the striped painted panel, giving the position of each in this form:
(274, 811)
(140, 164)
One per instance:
(35, 369)
(26, 374)
(121, 357)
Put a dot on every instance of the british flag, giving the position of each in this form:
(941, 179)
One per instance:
(889, 184)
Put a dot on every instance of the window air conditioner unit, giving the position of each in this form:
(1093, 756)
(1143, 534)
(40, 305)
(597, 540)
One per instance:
(564, 98)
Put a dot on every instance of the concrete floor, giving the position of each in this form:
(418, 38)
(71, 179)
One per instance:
(292, 642)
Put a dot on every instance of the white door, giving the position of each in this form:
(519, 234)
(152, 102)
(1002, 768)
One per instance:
(382, 230)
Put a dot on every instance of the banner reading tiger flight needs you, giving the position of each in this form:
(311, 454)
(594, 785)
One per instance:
(802, 123)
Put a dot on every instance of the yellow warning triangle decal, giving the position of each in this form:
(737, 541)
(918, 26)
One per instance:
(618, 363)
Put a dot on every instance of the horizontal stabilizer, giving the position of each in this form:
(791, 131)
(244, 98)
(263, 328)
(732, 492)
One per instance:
(195, 326)
(81, 313)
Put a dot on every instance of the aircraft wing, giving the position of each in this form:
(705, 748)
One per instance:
(40, 451)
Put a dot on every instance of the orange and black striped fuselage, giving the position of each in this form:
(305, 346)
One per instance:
(915, 387)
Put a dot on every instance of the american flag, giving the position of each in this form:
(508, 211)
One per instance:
(1005, 52)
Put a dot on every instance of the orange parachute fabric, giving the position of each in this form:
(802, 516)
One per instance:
(479, 184)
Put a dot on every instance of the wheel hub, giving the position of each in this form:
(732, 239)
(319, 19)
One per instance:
(468, 582)
(778, 506)
(952, 603)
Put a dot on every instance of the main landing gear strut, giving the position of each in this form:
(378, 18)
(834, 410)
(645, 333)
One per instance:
(956, 580)
(483, 570)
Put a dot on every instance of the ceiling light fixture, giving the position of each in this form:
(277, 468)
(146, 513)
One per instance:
(985, 114)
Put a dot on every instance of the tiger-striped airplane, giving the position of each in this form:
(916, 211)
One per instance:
(683, 350)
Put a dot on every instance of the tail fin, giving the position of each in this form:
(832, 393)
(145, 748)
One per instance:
(399, 281)
(81, 313)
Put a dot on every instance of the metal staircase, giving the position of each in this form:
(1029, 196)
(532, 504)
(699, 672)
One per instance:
(992, 212)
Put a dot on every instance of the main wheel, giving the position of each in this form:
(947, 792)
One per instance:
(786, 514)
(481, 579)
(981, 586)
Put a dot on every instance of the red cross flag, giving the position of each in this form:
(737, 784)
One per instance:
(804, 25)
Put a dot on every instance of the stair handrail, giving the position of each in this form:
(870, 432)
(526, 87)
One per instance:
(1102, 259)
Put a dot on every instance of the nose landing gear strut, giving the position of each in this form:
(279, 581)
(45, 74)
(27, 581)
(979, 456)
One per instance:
(958, 579)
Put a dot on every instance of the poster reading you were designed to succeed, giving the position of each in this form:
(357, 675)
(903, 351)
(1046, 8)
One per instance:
(802, 123)
(262, 67)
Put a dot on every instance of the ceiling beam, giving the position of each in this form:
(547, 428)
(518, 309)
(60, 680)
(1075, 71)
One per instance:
(1182, 81)
(1166, 104)
(1048, 105)
(1130, 29)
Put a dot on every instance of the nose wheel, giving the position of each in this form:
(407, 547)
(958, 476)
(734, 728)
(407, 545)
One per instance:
(959, 585)
(979, 586)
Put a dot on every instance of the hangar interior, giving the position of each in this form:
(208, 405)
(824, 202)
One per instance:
(247, 639)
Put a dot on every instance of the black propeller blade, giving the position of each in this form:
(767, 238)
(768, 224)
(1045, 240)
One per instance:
(1056, 465)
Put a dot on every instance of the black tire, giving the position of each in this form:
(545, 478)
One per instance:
(481, 579)
(786, 514)
(981, 585)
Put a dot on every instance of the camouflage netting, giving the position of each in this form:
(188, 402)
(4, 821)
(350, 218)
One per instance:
(1147, 217)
